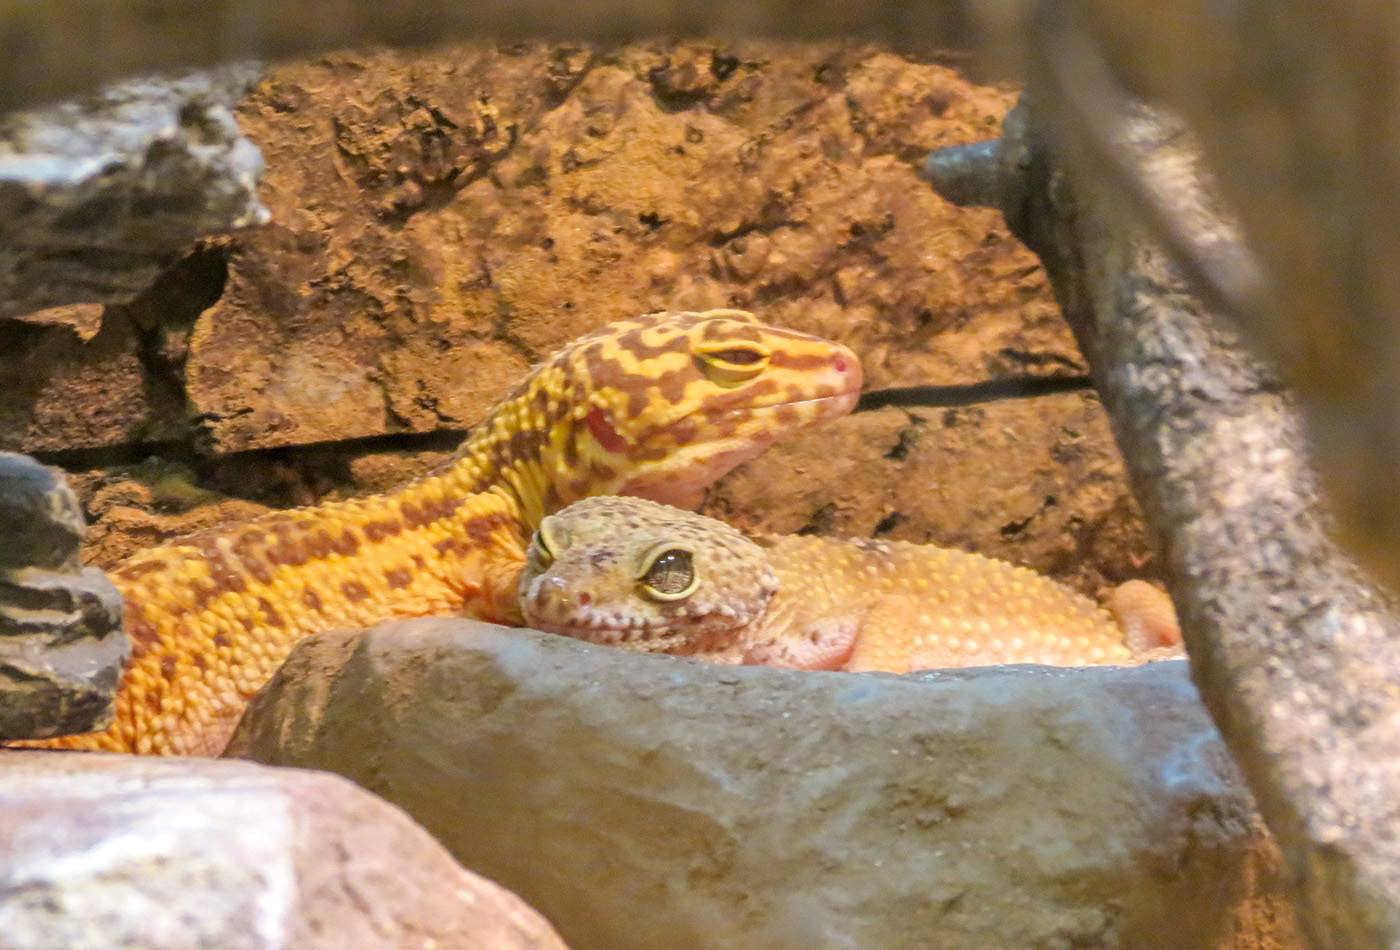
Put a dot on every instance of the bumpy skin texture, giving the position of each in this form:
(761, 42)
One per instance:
(659, 406)
(614, 570)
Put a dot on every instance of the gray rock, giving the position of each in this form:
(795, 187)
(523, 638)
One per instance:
(61, 642)
(96, 196)
(104, 851)
(648, 801)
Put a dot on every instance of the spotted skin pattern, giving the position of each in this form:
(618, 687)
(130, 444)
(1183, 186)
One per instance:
(660, 406)
(606, 570)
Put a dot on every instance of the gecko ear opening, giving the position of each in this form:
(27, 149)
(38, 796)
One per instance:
(667, 572)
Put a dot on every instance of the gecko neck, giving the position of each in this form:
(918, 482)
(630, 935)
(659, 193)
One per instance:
(503, 455)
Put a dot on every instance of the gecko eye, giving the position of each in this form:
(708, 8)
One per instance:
(540, 555)
(668, 573)
(730, 364)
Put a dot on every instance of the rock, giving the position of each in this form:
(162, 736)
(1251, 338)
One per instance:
(646, 801)
(86, 376)
(442, 218)
(39, 517)
(61, 642)
(1036, 482)
(115, 851)
(98, 195)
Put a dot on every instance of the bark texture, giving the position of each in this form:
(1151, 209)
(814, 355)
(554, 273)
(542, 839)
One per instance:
(1296, 656)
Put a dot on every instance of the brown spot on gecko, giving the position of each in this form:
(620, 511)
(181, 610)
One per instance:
(140, 569)
(139, 630)
(449, 546)
(379, 530)
(347, 544)
(271, 617)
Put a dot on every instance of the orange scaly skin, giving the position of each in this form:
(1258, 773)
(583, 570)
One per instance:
(632, 573)
(658, 406)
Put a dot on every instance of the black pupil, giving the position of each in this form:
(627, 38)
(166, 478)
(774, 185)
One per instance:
(739, 357)
(670, 573)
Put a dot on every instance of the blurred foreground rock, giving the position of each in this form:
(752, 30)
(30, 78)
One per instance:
(113, 851)
(644, 801)
(61, 642)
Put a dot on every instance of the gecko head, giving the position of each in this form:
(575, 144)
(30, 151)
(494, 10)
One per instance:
(633, 573)
(663, 405)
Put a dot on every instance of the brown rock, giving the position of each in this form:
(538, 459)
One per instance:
(115, 851)
(85, 319)
(443, 219)
(65, 392)
(86, 377)
(645, 801)
(1032, 481)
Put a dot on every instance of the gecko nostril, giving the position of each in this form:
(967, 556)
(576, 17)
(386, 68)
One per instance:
(839, 364)
(585, 599)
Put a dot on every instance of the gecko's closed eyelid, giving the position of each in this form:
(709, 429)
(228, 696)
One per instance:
(733, 362)
(667, 572)
(543, 544)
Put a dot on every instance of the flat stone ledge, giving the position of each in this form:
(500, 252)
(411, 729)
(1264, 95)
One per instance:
(644, 801)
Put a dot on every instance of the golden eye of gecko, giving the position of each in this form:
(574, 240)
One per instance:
(668, 574)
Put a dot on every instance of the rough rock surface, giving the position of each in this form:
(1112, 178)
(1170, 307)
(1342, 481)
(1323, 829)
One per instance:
(441, 219)
(115, 851)
(61, 642)
(97, 195)
(433, 238)
(1034, 481)
(643, 801)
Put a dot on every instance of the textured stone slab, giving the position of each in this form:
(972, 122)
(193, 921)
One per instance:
(96, 196)
(443, 219)
(102, 851)
(644, 801)
(61, 642)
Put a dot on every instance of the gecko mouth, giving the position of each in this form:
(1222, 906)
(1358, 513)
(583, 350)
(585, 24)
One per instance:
(818, 410)
(851, 394)
(641, 634)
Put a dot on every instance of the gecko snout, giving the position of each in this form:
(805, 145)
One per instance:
(548, 596)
